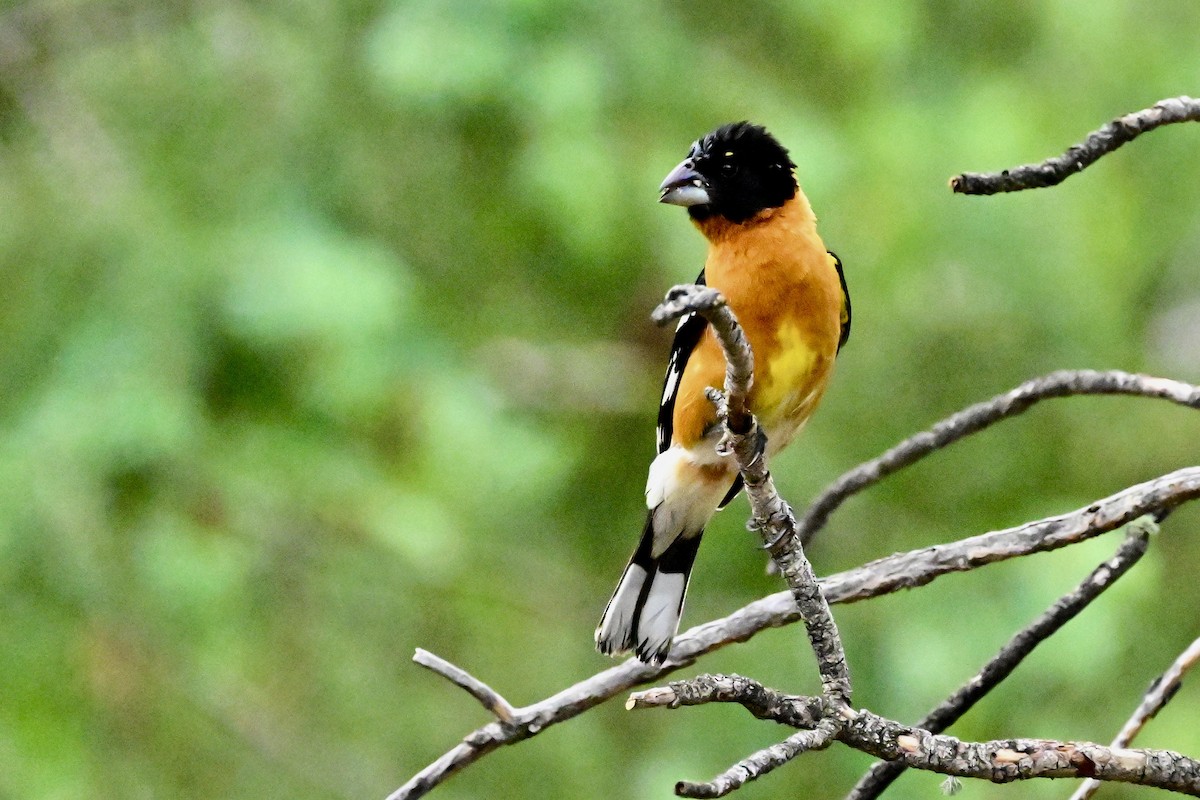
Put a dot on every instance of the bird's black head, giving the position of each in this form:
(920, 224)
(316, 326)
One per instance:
(734, 172)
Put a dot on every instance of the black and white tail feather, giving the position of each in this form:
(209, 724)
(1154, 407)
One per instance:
(643, 613)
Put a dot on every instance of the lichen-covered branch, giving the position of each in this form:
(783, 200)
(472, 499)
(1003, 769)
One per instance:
(759, 700)
(1064, 383)
(1078, 157)
(1008, 760)
(1066, 608)
(1000, 761)
(770, 514)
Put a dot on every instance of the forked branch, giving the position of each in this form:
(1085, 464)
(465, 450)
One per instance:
(883, 576)
(1158, 695)
(486, 695)
(1063, 610)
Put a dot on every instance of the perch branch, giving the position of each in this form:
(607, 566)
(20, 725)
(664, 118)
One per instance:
(1000, 761)
(1078, 157)
(975, 418)
(1066, 608)
(1158, 695)
(772, 517)
(883, 576)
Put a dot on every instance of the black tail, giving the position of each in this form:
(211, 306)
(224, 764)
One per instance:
(643, 614)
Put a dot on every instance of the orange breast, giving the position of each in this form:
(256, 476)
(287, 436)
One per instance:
(782, 285)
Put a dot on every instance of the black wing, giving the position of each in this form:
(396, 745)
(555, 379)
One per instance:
(837, 263)
(687, 336)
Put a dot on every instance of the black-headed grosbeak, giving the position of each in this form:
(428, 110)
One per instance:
(788, 292)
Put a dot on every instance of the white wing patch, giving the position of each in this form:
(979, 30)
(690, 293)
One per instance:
(670, 387)
(672, 383)
(688, 331)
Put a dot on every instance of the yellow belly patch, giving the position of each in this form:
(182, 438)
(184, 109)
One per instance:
(792, 375)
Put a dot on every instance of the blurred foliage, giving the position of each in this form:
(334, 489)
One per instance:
(324, 336)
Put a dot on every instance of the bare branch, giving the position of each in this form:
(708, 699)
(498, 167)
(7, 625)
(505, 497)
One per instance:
(485, 694)
(900, 571)
(918, 567)
(1001, 761)
(1158, 695)
(762, 702)
(1009, 760)
(1064, 383)
(1066, 608)
(1099, 143)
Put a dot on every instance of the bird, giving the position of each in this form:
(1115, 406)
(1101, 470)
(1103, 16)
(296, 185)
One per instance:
(789, 293)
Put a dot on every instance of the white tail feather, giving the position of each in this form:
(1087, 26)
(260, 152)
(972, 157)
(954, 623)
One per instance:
(660, 615)
(614, 634)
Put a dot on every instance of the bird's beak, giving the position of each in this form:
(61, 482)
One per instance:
(684, 187)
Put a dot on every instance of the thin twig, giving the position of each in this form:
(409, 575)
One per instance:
(975, 418)
(765, 760)
(1066, 608)
(1078, 157)
(1158, 695)
(886, 575)
(811, 714)
(486, 695)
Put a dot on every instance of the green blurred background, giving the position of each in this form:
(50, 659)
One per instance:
(324, 336)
